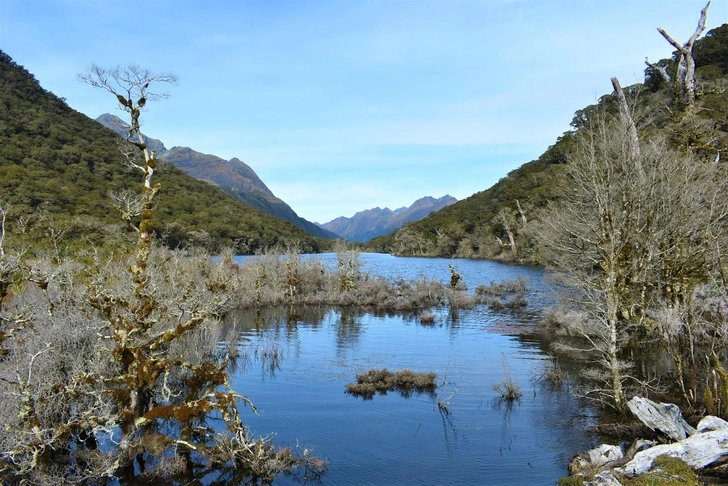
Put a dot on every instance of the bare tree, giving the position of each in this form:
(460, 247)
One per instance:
(627, 120)
(631, 232)
(103, 367)
(4, 207)
(506, 218)
(133, 88)
(10, 267)
(685, 76)
(522, 212)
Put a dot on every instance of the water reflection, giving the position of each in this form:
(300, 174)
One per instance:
(414, 440)
(348, 331)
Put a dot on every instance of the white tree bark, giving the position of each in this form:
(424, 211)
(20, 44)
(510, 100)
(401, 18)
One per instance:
(3, 214)
(628, 122)
(660, 69)
(686, 63)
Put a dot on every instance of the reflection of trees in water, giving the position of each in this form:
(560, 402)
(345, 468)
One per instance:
(243, 353)
(348, 330)
(505, 408)
(449, 431)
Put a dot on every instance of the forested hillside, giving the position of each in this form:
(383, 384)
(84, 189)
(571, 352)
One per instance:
(499, 222)
(233, 176)
(58, 168)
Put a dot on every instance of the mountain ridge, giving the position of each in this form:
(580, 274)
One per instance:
(58, 167)
(371, 223)
(234, 177)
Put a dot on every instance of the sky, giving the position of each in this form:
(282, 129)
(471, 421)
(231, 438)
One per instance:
(345, 105)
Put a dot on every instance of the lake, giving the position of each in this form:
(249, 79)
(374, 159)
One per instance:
(299, 362)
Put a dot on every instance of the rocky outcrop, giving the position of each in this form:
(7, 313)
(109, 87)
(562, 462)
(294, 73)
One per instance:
(605, 478)
(595, 459)
(662, 417)
(697, 451)
(699, 448)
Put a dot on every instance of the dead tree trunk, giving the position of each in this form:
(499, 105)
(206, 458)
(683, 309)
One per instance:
(685, 77)
(504, 218)
(627, 119)
(3, 213)
(522, 213)
(130, 85)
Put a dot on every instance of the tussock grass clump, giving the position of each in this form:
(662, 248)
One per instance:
(507, 388)
(382, 380)
(427, 317)
(551, 374)
(275, 279)
(509, 294)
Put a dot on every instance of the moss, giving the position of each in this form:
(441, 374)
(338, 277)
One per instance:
(666, 471)
(572, 481)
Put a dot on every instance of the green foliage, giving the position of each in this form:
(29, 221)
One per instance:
(467, 228)
(58, 162)
(471, 227)
(666, 471)
(713, 49)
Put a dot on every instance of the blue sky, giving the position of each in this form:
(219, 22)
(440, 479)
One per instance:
(345, 105)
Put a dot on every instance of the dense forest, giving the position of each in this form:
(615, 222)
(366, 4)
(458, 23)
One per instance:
(498, 222)
(57, 165)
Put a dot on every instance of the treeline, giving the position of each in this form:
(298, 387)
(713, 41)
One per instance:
(57, 168)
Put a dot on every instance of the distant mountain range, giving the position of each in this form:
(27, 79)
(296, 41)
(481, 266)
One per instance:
(368, 224)
(233, 176)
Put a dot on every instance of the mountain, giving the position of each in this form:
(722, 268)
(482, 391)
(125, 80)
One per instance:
(368, 224)
(232, 176)
(122, 128)
(58, 167)
(474, 227)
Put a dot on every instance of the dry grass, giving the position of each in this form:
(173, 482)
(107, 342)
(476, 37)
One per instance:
(507, 388)
(551, 374)
(427, 317)
(509, 294)
(382, 380)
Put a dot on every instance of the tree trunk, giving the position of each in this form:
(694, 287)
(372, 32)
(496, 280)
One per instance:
(628, 122)
(685, 82)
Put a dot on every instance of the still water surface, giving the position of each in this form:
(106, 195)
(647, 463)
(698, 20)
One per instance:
(393, 439)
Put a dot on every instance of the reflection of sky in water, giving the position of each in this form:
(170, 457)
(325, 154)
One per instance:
(396, 440)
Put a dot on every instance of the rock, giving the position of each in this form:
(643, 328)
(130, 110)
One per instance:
(606, 478)
(664, 417)
(697, 451)
(634, 448)
(594, 458)
(711, 422)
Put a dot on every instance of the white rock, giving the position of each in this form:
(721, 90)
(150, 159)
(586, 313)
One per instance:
(697, 451)
(604, 453)
(605, 478)
(595, 458)
(710, 422)
(665, 417)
